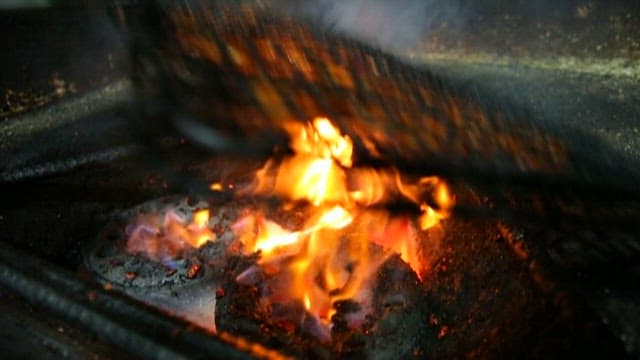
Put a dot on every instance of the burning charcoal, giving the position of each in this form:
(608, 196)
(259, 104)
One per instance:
(346, 306)
(349, 315)
(397, 322)
(130, 275)
(184, 284)
(288, 313)
(312, 326)
(219, 292)
(444, 330)
(115, 262)
(169, 271)
(251, 276)
(350, 344)
(193, 271)
(348, 339)
(433, 319)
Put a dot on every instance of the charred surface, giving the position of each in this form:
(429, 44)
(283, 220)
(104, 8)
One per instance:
(489, 293)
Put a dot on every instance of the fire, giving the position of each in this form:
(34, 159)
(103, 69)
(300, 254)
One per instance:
(316, 172)
(216, 186)
(272, 236)
(322, 140)
(307, 302)
(199, 230)
(331, 257)
(167, 235)
(343, 241)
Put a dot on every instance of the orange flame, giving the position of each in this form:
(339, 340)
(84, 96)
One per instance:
(216, 186)
(330, 258)
(315, 173)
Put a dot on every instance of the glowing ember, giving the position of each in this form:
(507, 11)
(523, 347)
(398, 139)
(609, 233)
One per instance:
(331, 257)
(216, 186)
(165, 236)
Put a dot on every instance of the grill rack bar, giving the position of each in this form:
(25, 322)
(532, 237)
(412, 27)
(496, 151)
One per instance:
(111, 316)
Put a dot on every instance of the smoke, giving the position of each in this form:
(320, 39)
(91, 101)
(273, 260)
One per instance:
(400, 25)
(392, 25)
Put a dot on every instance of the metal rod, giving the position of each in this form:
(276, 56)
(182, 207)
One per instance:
(62, 166)
(120, 321)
